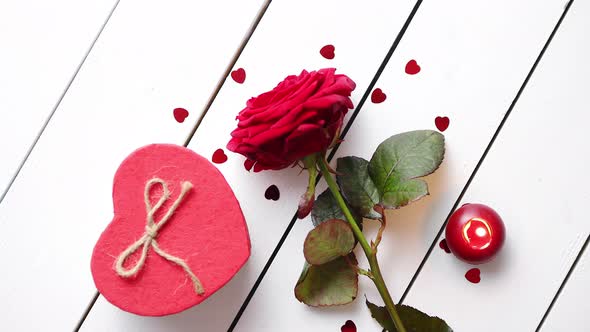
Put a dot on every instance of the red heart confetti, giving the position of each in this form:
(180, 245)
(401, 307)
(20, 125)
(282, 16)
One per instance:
(412, 67)
(180, 114)
(272, 193)
(248, 164)
(442, 123)
(473, 275)
(378, 96)
(328, 52)
(219, 156)
(443, 245)
(239, 75)
(348, 327)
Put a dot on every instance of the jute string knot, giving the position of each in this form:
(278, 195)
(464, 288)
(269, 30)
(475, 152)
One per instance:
(151, 232)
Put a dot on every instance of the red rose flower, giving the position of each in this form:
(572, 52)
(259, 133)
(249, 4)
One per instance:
(302, 115)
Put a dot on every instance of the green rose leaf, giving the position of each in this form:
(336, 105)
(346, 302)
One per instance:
(328, 241)
(400, 160)
(357, 186)
(326, 208)
(413, 319)
(333, 283)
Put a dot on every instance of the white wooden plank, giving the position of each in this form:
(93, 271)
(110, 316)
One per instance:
(152, 57)
(570, 311)
(535, 176)
(281, 45)
(42, 43)
(470, 73)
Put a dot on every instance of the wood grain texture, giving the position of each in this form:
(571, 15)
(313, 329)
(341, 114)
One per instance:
(281, 45)
(534, 177)
(469, 73)
(155, 56)
(39, 54)
(570, 309)
(152, 57)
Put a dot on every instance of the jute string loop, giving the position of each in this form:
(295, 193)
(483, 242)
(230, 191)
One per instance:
(151, 232)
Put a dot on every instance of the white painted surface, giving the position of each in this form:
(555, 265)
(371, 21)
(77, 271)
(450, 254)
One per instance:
(470, 73)
(474, 57)
(535, 176)
(153, 56)
(570, 311)
(42, 43)
(281, 45)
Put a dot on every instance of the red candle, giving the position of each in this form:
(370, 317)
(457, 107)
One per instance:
(475, 233)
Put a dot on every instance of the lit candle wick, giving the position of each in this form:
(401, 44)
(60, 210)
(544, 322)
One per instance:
(477, 233)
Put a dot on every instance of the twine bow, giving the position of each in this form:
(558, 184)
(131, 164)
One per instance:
(151, 232)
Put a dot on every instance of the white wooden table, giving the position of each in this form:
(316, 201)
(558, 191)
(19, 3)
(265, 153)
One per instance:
(84, 83)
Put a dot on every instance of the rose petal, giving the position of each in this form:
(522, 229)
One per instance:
(305, 140)
(325, 102)
(248, 164)
(303, 114)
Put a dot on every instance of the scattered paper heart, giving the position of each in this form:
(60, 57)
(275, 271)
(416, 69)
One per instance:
(412, 67)
(219, 156)
(378, 96)
(239, 75)
(272, 193)
(328, 52)
(443, 245)
(180, 114)
(349, 326)
(473, 275)
(442, 123)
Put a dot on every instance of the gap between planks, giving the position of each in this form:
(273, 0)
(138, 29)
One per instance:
(488, 148)
(61, 97)
(210, 101)
(230, 66)
(345, 130)
(47, 122)
(563, 283)
(330, 156)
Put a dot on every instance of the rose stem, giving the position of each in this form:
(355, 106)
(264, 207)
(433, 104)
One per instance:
(369, 252)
